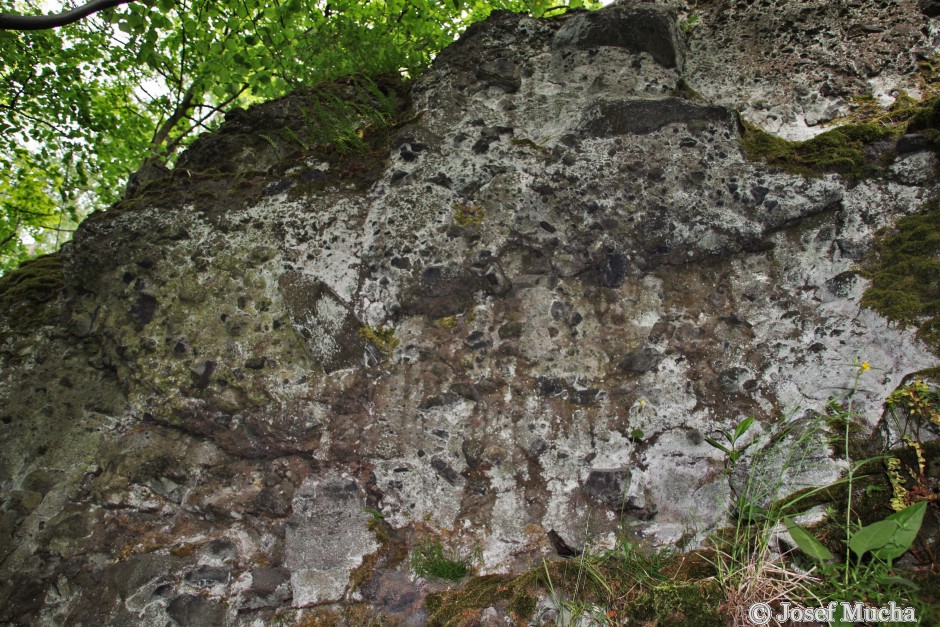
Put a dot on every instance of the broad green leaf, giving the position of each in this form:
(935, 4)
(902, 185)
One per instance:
(873, 536)
(807, 543)
(910, 518)
(908, 523)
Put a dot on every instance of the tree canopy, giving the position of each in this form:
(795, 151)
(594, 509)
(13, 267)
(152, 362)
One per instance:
(85, 105)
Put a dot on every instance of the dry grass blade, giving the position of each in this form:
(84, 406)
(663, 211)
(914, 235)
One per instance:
(764, 580)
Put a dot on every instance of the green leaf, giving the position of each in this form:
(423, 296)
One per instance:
(374, 513)
(908, 523)
(718, 445)
(807, 543)
(90, 86)
(742, 427)
(888, 580)
(871, 537)
(136, 22)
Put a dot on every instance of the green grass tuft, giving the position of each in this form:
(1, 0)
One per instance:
(429, 560)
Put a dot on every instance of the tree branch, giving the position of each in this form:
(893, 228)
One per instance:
(6, 240)
(162, 133)
(174, 143)
(12, 21)
(33, 118)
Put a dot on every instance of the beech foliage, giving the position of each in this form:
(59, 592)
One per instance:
(84, 105)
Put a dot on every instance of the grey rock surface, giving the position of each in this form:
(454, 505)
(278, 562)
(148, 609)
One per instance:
(584, 277)
(792, 66)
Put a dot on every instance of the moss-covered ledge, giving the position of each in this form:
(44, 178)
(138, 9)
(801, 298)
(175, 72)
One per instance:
(862, 146)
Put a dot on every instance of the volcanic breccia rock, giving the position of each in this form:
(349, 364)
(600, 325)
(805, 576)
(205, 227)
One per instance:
(585, 277)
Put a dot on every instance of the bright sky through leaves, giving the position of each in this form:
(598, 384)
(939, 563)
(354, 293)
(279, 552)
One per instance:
(85, 105)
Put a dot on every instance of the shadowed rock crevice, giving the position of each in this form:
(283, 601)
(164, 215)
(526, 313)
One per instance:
(639, 117)
(639, 27)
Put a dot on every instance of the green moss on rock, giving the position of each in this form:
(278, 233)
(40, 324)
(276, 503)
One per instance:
(383, 339)
(677, 605)
(26, 293)
(850, 149)
(631, 588)
(926, 120)
(38, 280)
(867, 110)
(450, 608)
(447, 322)
(904, 268)
(839, 151)
(468, 215)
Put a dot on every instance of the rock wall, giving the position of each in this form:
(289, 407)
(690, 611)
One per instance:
(250, 387)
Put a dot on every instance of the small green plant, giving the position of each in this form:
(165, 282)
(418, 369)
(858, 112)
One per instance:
(271, 141)
(890, 538)
(292, 135)
(431, 561)
(886, 539)
(866, 572)
(373, 513)
(748, 569)
(916, 402)
(731, 437)
(691, 22)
